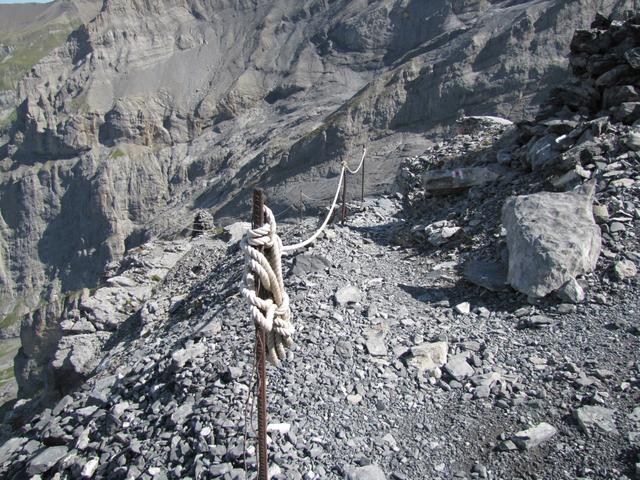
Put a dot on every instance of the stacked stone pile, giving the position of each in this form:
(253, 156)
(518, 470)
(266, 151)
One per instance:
(555, 227)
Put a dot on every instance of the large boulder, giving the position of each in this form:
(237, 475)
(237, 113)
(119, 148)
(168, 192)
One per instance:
(552, 238)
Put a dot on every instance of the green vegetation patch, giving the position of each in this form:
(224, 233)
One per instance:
(27, 51)
(117, 153)
(12, 317)
(8, 121)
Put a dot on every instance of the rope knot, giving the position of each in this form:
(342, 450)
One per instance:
(273, 315)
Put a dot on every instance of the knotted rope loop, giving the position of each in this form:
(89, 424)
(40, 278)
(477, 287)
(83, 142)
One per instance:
(273, 315)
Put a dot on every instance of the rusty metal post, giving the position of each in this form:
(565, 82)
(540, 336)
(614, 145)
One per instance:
(362, 193)
(344, 197)
(257, 220)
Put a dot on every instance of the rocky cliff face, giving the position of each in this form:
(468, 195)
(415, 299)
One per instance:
(153, 109)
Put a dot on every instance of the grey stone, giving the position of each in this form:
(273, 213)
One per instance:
(376, 345)
(486, 274)
(633, 57)
(306, 264)
(448, 181)
(463, 308)
(571, 292)
(181, 414)
(625, 269)
(429, 356)
(458, 368)
(552, 238)
(10, 447)
(220, 470)
(633, 141)
(614, 96)
(46, 459)
(542, 152)
(346, 295)
(627, 112)
(122, 281)
(441, 232)
(187, 354)
(534, 436)
(368, 472)
(593, 416)
(344, 349)
(89, 468)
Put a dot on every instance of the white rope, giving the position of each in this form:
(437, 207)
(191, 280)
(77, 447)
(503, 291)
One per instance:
(297, 246)
(353, 172)
(272, 315)
(345, 168)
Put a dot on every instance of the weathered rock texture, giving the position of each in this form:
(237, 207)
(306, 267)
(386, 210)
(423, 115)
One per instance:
(122, 130)
(552, 239)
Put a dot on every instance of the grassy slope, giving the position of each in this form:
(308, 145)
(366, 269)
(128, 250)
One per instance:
(31, 32)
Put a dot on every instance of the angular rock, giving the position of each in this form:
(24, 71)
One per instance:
(11, 446)
(541, 153)
(188, 353)
(534, 436)
(593, 416)
(429, 356)
(632, 57)
(633, 141)
(486, 274)
(552, 238)
(627, 112)
(306, 264)
(439, 233)
(346, 295)
(463, 308)
(90, 468)
(376, 346)
(75, 359)
(458, 368)
(614, 96)
(624, 269)
(46, 459)
(571, 292)
(368, 472)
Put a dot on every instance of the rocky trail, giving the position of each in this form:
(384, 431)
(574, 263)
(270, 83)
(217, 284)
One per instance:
(361, 392)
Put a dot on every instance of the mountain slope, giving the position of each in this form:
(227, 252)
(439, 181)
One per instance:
(28, 32)
(154, 109)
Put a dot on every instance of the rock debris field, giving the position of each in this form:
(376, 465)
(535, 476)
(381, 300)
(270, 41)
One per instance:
(483, 322)
(400, 370)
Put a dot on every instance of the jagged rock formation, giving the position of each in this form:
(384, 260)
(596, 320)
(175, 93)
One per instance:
(552, 239)
(28, 33)
(124, 129)
(62, 340)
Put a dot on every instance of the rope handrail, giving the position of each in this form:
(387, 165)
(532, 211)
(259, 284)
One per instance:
(345, 168)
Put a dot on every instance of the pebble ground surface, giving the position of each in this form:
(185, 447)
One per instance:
(170, 398)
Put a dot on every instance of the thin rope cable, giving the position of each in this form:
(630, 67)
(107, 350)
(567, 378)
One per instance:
(313, 199)
(345, 168)
(297, 246)
(353, 172)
